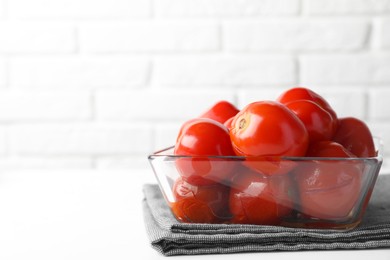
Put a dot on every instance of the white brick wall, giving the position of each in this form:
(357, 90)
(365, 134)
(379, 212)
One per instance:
(3, 72)
(298, 34)
(2, 8)
(103, 83)
(79, 9)
(225, 8)
(27, 105)
(380, 107)
(149, 36)
(367, 68)
(78, 71)
(385, 33)
(80, 139)
(155, 105)
(228, 70)
(36, 37)
(333, 7)
(3, 141)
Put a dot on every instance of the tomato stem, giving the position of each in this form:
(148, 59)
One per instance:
(242, 123)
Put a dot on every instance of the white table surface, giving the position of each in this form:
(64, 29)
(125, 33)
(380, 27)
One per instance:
(90, 214)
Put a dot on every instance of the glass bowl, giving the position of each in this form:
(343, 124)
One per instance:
(304, 192)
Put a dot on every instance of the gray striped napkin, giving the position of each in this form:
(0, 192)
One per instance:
(170, 237)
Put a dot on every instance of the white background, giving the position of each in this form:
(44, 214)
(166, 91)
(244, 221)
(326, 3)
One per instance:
(98, 84)
(91, 87)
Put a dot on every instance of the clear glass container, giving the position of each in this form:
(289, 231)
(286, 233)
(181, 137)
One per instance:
(305, 192)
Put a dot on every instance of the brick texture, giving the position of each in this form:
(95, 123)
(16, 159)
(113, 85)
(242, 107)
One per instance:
(149, 37)
(379, 104)
(47, 105)
(166, 135)
(156, 105)
(79, 9)
(80, 139)
(3, 73)
(225, 8)
(2, 9)
(101, 84)
(385, 33)
(3, 141)
(33, 37)
(346, 69)
(297, 34)
(217, 71)
(78, 72)
(316, 7)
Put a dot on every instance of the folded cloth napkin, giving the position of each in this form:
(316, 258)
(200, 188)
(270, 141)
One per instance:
(170, 237)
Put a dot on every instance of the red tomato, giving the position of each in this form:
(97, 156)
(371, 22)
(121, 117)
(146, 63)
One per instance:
(329, 189)
(203, 138)
(200, 204)
(260, 199)
(221, 111)
(300, 93)
(269, 129)
(356, 137)
(318, 122)
(329, 149)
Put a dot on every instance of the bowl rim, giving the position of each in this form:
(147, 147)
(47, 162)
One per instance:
(164, 153)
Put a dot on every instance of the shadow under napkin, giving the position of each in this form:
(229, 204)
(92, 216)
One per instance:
(170, 237)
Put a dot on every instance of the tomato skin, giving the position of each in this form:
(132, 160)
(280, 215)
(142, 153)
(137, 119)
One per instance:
(201, 138)
(329, 189)
(259, 199)
(300, 93)
(200, 204)
(220, 111)
(228, 123)
(328, 149)
(318, 122)
(355, 136)
(268, 128)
